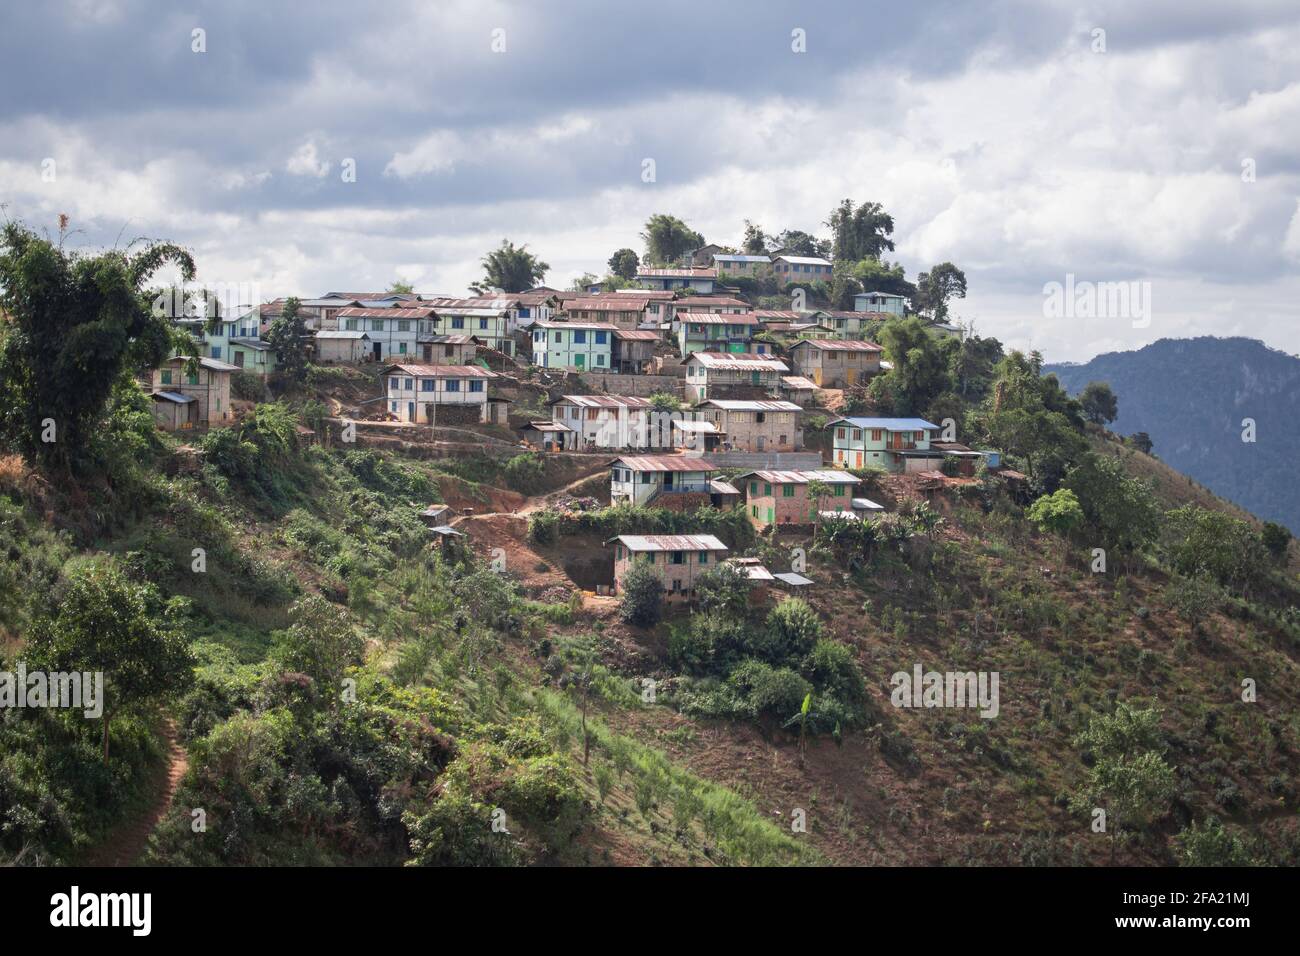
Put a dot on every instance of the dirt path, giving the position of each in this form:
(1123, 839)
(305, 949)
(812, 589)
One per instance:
(535, 503)
(126, 844)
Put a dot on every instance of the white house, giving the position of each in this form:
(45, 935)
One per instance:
(411, 391)
(615, 421)
(635, 479)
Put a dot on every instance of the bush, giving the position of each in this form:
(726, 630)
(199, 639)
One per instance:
(524, 473)
(793, 629)
(248, 386)
(643, 590)
(543, 527)
(833, 671)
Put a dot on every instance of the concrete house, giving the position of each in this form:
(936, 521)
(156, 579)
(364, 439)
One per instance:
(850, 325)
(782, 497)
(574, 345)
(491, 320)
(717, 332)
(208, 385)
(636, 479)
(895, 444)
(614, 421)
(333, 345)
(721, 304)
(704, 256)
(393, 332)
(888, 302)
(679, 558)
(754, 426)
(801, 268)
(411, 392)
(732, 375)
(833, 363)
(700, 280)
(737, 265)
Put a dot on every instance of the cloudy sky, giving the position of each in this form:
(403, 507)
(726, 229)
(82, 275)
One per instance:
(1017, 140)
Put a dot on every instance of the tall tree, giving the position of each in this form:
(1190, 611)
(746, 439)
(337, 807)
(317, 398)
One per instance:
(290, 339)
(401, 287)
(667, 239)
(623, 263)
(860, 233)
(76, 321)
(104, 623)
(510, 268)
(934, 288)
(1100, 406)
(755, 241)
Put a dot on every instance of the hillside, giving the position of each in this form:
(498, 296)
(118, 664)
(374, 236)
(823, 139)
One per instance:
(1191, 395)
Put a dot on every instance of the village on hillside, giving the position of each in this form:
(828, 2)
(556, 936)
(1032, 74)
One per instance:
(702, 395)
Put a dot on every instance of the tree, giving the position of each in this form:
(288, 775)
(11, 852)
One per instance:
(793, 629)
(643, 590)
(398, 286)
(796, 242)
(667, 239)
(321, 643)
(1128, 778)
(934, 288)
(1058, 512)
(725, 590)
(510, 268)
(1099, 403)
(104, 623)
(290, 339)
(623, 263)
(76, 323)
(1142, 442)
(1121, 509)
(1277, 539)
(1214, 543)
(755, 241)
(920, 371)
(861, 233)
(583, 282)
(1211, 844)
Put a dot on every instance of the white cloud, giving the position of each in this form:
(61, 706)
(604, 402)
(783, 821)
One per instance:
(307, 162)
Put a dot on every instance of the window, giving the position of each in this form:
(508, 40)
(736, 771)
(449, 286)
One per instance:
(558, 337)
(579, 336)
(753, 488)
(787, 491)
(216, 351)
(403, 325)
(600, 359)
(401, 348)
(376, 325)
(537, 336)
(458, 323)
(482, 323)
(166, 377)
(426, 385)
(476, 386)
(704, 557)
(753, 508)
(192, 378)
(839, 434)
(453, 385)
(410, 383)
(392, 406)
(876, 433)
(601, 337)
(350, 325)
(679, 558)
(839, 491)
(767, 488)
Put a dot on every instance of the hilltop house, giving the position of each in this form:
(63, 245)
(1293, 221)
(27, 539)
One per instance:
(623, 311)
(801, 268)
(889, 302)
(833, 363)
(637, 479)
(613, 421)
(576, 345)
(334, 345)
(894, 444)
(782, 497)
(737, 265)
(717, 332)
(412, 391)
(208, 386)
(699, 280)
(633, 350)
(679, 558)
(725, 373)
(392, 332)
(753, 426)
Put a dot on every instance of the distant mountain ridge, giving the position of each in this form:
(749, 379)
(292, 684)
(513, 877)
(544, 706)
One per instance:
(1191, 396)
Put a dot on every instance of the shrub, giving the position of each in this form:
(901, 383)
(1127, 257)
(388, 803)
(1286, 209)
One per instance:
(643, 590)
(793, 629)
(543, 527)
(524, 473)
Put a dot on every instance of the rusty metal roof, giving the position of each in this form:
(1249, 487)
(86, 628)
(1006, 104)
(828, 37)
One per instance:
(394, 313)
(637, 335)
(653, 273)
(664, 463)
(757, 405)
(797, 382)
(605, 401)
(803, 477)
(839, 345)
(738, 361)
(441, 371)
(670, 542)
(717, 318)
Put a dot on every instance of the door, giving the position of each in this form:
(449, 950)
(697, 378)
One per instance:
(378, 351)
(410, 411)
(580, 361)
(762, 442)
(239, 359)
(428, 353)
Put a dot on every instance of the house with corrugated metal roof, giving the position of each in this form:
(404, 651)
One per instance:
(888, 302)
(678, 558)
(754, 425)
(653, 277)
(413, 392)
(614, 422)
(717, 332)
(583, 346)
(393, 333)
(834, 363)
(208, 384)
(895, 444)
(786, 497)
(716, 374)
(731, 264)
(337, 345)
(636, 479)
(801, 268)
